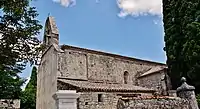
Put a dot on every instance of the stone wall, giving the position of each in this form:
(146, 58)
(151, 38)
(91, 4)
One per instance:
(9, 104)
(79, 64)
(73, 65)
(161, 103)
(97, 100)
(154, 81)
(47, 80)
(109, 69)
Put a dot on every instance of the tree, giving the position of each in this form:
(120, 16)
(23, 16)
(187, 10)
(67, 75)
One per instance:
(28, 99)
(198, 99)
(9, 86)
(18, 43)
(182, 40)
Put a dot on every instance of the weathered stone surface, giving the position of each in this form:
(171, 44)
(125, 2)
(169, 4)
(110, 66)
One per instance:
(155, 81)
(73, 65)
(185, 86)
(77, 64)
(106, 68)
(156, 104)
(47, 80)
(89, 100)
(9, 104)
(186, 91)
(51, 35)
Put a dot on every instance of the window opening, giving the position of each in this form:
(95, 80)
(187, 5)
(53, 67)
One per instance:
(100, 98)
(126, 77)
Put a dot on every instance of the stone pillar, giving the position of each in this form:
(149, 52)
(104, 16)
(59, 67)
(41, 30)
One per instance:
(66, 99)
(186, 91)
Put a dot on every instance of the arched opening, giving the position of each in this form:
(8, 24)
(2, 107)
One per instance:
(126, 77)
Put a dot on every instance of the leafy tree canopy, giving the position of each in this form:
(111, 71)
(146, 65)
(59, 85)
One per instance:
(18, 43)
(182, 40)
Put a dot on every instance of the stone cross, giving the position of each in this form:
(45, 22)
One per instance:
(186, 91)
(66, 99)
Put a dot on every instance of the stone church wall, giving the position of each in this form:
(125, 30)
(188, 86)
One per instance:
(109, 69)
(155, 81)
(46, 80)
(77, 64)
(97, 100)
(73, 65)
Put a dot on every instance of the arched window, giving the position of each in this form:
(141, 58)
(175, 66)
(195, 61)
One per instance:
(126, 77)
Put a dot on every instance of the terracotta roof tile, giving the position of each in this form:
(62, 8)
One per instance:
(105, 87)
(153, 70)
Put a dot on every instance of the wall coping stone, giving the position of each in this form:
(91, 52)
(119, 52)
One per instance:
(66, 94)
(185, 86)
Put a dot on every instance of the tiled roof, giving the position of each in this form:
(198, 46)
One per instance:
(153, 70)
(87, 85)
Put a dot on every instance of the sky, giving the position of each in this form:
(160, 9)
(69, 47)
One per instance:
(127, 27)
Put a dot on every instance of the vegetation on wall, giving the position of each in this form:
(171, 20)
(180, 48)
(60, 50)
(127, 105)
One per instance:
(28, 98)
(18, 43)
(182, 40)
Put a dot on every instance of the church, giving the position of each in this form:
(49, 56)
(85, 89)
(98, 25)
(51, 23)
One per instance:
(101, 78)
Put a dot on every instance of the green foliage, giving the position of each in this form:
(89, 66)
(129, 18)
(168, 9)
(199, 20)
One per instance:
(18, 43)
(182, 40)
(198, 99)
(10, 86)
(33, 78)
(28, 99)
(18, 27)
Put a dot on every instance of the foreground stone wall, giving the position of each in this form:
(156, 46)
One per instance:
(9, 104)
(162, 103)
(85, 64)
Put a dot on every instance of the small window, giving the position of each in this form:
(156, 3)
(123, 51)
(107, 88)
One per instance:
(86, 103)
(126, 77)
(48, 32)
(100, 98)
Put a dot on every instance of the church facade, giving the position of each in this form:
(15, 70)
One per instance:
(101, 78)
